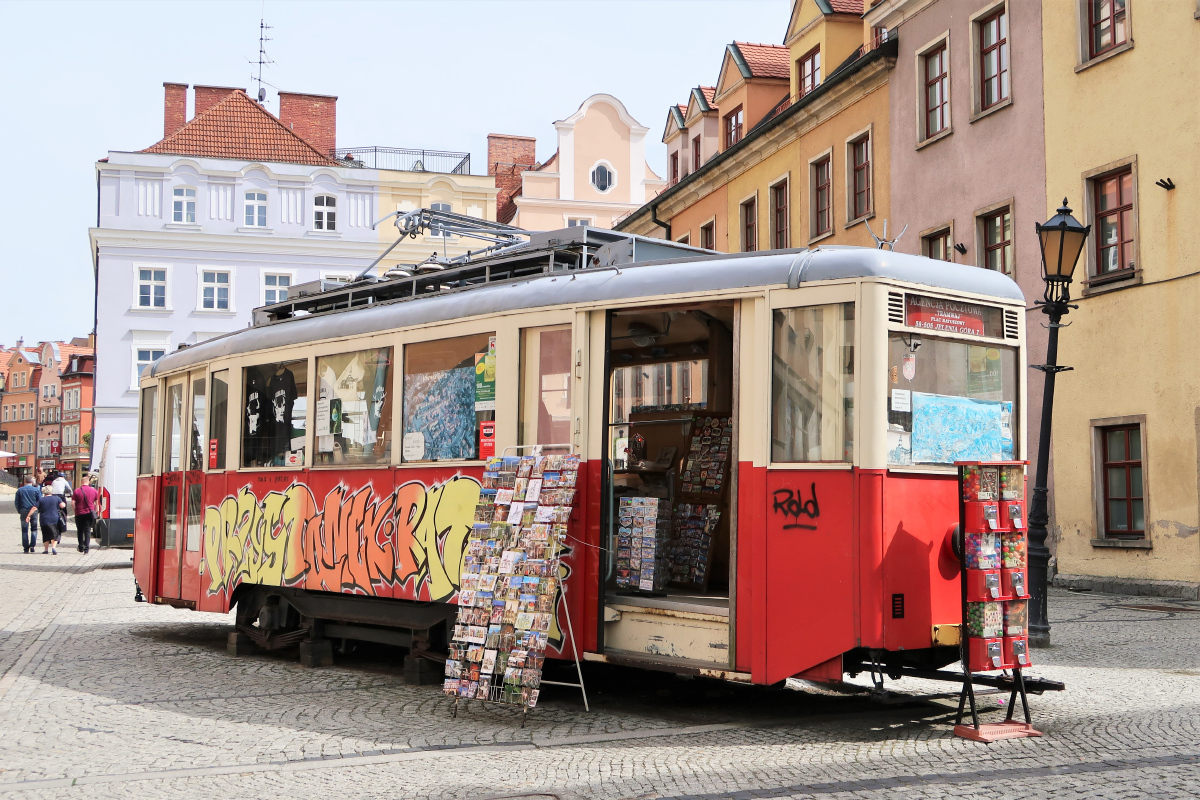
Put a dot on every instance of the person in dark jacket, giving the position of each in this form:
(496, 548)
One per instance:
(50, 509)
(27, 499)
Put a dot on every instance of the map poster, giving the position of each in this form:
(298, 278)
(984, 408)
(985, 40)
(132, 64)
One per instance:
(946, 428)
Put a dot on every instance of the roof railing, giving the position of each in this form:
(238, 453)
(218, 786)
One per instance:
(404, 160)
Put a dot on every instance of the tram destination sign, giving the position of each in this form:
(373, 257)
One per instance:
(952, 316)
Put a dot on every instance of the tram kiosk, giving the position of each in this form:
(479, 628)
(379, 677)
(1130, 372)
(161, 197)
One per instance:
(995, 594)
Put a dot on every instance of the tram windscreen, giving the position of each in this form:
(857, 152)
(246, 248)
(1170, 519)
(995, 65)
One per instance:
(950, 401)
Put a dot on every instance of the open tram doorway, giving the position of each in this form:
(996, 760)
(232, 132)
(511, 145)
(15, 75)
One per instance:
(669, 524)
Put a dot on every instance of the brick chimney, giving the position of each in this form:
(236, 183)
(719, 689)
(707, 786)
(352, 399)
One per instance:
(508, 157)
(174, 107)
(312, 117)
(209, 96)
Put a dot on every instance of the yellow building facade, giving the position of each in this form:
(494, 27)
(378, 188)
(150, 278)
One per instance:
(1121, 126)
(471, 195)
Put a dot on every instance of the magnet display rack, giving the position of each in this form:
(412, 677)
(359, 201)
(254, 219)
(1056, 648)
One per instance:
(993, 547)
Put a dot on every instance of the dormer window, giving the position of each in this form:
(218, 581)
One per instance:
(603, 178)
(808, 72)
(325, 212)
(733, 127)
(184, 207)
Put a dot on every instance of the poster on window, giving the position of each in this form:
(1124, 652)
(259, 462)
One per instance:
(485, 377)
(947, 428)
(441, 407)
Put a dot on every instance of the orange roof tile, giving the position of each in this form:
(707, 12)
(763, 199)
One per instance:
(847, 6)
(709, 92)
(766, 60)
(240, 129)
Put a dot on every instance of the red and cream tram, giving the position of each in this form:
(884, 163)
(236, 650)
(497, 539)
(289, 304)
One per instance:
(793, 416)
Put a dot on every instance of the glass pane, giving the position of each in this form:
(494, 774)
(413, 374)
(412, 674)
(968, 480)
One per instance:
(1118, 515)
(1116, 482)
(545, 410)
(1135, 444)
(195, 517)
(448, 392)
(285, 280)
(274, 414)
(160, 296)
(170, 516)
(218, 421)
(1139, 516)
(145, 275)
(353, 423)
(812, 384)
(270, 280)
(198, 410)
(160, 275)
(147, 440)
(1109, 259)
(174, 427)
(1135, 481)
(1116, 446)
(1107, 196)
(262, 216)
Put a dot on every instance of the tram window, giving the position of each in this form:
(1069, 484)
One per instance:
(218, 420)
(174, 427)
(949, 401)
(449, 389)
(197, 438)
(812, 384)
(148, 440)
(274, 414)
(353, 423)
(170, 516)
(545, 412)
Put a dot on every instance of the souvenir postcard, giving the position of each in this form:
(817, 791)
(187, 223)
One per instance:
(484, 686)
(525, 466)
(525, 620)
(489, 662)
(450, 686)
(544, 514)
(504, 496)
(515, 513)
(530, 697)
(533, 490)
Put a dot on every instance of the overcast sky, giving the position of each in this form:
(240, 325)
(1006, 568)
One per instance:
(81, 79)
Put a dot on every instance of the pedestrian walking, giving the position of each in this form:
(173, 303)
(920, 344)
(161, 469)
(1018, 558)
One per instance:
(60, 487)
(27, 500)
(86, 500)
(50, 508)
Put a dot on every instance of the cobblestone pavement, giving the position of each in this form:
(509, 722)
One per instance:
(104, 697)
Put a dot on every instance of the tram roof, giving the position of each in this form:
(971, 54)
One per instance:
(692, 273)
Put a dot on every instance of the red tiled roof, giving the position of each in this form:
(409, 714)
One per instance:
(847, 6)
(766, 60)
(240, 129)
(709, 92)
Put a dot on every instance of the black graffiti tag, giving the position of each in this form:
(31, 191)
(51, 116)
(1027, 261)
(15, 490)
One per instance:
(792, 504)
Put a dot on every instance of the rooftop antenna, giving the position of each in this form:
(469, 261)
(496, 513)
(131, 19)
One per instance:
(263, 59)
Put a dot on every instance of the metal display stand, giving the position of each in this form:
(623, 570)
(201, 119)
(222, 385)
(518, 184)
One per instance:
(979, 516)
(562, 588)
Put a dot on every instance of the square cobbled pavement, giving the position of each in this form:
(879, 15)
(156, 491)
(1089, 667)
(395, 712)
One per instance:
(104, 697)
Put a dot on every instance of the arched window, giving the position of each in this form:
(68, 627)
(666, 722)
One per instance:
(603, 178)
(325, 212)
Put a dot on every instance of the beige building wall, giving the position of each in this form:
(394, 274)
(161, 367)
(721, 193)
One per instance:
(1132, 341)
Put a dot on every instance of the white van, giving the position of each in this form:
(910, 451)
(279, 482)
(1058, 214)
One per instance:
(118, 490)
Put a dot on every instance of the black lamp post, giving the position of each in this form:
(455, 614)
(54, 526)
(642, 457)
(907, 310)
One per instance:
(1062, 239)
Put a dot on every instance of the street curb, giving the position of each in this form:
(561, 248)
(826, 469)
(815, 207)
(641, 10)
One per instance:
(1142, 587)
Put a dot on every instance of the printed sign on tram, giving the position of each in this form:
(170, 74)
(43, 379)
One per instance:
(952, 316)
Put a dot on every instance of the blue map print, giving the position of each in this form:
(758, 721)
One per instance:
(946, 429)
(441, 405)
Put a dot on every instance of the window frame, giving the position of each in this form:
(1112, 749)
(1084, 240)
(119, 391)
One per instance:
(779, 216)
(696, 162)
(201, 283)
(258, 221)
(811, 60)
(939, 47)
(815, 164)
(290, 274)
(436, 231)
(733, 126)
(1124, 267)
(186, 200)
(945, 232)
(322, 213)
(854, 213)
(1091, 24)
(708, 234)
(612, 176)
(1094, 281)
(483, 328)
(149, 346)
(1099, 485)
(748, 223)
(674, 167)
(977, 55)
(981, 246)
(138, 282)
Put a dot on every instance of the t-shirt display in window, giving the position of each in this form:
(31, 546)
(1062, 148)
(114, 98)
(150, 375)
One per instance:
(259, 422)
(282, 391)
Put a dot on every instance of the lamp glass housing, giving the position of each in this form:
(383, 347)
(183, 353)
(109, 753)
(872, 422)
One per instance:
(1062, 239)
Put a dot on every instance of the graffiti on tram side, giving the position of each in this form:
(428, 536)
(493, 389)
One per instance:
(358, 541)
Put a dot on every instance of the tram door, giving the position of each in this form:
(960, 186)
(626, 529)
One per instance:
(170, 561)
(193, 497)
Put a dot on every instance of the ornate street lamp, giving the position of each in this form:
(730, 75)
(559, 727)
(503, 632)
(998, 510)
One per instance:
(1062, 239)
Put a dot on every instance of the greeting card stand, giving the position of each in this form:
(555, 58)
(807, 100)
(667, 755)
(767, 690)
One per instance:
(536, 451)
(992, 545)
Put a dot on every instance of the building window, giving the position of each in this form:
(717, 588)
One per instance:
(733, 127)
(685, 239)
(822, 196)
(749, 226)
(1124, 501)
(695, 154)
(1114, 222)
(256, 209)
(998, 242)
(779, 216)
(937, 245)
(577, 222)
(603, 177)
(184, 208)
(861, 158)
(324, 213)
(152, 288)
(937, 96)
(275, 288)
(214, 290)
(435, 229)
(1106, 19)
(808, 72)
(993, 59)
(708, 236)
(146, 357)
(674, 168)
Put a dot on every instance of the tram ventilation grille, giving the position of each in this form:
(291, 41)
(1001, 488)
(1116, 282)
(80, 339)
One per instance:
(896, 307)
(898, 606)
(1012, 326)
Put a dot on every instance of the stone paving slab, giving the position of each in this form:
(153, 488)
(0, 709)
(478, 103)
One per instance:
(104, 697)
